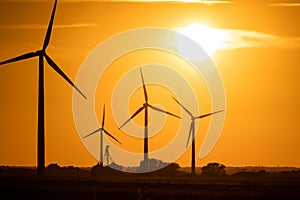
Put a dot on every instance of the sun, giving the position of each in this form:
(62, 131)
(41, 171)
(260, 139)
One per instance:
(210, 39)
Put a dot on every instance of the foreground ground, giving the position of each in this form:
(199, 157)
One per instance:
(152, 188)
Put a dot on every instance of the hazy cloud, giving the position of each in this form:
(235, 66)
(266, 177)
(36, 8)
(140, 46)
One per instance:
(40, 26)
(213, 38)
(214, 2)
(245, 38)
(284, 5)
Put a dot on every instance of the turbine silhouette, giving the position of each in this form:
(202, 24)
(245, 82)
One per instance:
(41, 112)
(145, 107)
(101, 130)
(192, 131)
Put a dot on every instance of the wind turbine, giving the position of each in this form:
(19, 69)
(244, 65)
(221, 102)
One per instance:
(101, 130)
(192, 131)
(41, 112)
(145, 107)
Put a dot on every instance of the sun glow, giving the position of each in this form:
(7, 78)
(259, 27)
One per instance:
(210, 39)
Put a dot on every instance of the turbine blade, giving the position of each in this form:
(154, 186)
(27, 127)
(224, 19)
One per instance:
(163, 111)
(191, 129)
(111, 136)
(183, 107)
(60, 72)
(137, 112)
(103, 116)
(21, 57)
(144, 86)
(206, 115)
(99, 129)
(48, 34)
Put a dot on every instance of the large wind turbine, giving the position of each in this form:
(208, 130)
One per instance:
(41, 112)
(145, 107)
(101, 130)
(192, 131)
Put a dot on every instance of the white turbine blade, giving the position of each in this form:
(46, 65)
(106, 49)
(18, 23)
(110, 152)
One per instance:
(48, 34)
(144, 86)
(99, 129)
(183, 107)
(137, 112)
(206, 115)
(60, 72)
(163, 111)
(110, 135)
(191, 129)
(103, 116)
(21, 57)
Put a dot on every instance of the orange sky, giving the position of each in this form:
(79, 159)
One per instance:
(260, 75)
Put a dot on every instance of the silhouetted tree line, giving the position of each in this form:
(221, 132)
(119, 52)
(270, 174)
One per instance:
(213, 169)
(163, 169)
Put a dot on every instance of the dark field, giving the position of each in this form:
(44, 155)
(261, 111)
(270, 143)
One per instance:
(227, 187)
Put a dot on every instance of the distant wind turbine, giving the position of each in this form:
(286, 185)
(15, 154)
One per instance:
(145, 107)
(41, 112)
(101, 130)
(192, 131)
(108, 157)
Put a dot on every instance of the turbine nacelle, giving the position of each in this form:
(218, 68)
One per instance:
(41, 51)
